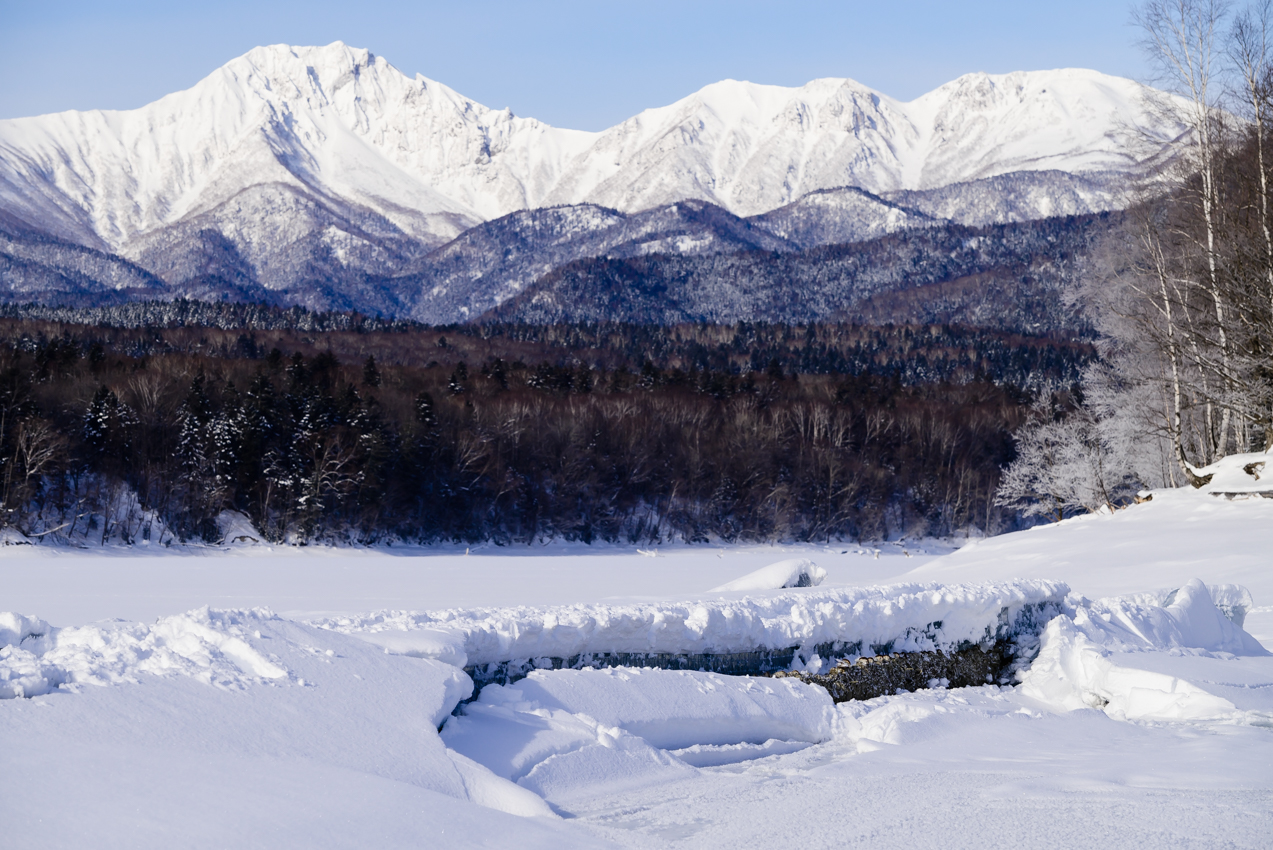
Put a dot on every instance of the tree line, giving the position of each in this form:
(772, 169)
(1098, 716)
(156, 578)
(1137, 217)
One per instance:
(582, 433)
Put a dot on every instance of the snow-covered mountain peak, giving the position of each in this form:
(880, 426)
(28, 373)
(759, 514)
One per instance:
(344, 128)
(1069, 119)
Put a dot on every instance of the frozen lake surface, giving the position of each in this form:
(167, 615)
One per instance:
(69, 587)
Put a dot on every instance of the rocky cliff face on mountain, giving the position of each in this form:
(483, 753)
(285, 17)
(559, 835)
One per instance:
(324, 177)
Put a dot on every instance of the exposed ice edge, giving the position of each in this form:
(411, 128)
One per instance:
(905, 617)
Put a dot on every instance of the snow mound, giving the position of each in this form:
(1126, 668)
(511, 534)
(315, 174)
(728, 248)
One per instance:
(536, 747)
(1248, 474)
(205, 644)
(1074, 672)
(796, 572)
(13, 537)
(496, 792)
(906, 617)
(1109, 655)
(237, 530)
(440, 644)
(15, 628)
(1232, 600)
(563, 733)
(1187, 618)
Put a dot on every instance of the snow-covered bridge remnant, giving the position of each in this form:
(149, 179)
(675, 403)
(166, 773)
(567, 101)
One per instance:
(756, 634)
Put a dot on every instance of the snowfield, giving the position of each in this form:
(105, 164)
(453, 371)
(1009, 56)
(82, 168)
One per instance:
(1147, 715)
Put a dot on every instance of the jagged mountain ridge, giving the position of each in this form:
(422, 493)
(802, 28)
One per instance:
(530, 251)
(326, 178)
(344, 125)
(495, 261)
(460, 280)
(457, 282)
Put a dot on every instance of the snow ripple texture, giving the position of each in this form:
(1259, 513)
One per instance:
(911, 616)
(205, 644)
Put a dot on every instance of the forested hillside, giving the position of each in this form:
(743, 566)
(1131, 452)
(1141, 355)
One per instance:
(511, 433)
(1010, 277)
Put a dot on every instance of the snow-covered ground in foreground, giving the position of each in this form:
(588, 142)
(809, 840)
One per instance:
(1145, 718)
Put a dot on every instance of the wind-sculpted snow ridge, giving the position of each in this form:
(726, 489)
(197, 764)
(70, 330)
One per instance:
(208, 645)
(633, 726)
(1196, 616)
(1233, 601)
(908, 617)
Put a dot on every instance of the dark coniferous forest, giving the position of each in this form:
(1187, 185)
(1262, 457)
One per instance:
(148, 422)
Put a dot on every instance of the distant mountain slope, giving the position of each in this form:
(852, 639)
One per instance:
(686, 262)
(1020, 196)
(40, 269)
(1004, 276)
(494, 261)
(844, 214)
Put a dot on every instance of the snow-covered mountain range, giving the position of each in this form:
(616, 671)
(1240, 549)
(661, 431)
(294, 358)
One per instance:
(296, 164)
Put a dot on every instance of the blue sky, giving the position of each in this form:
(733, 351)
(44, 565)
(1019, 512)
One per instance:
(573, 64)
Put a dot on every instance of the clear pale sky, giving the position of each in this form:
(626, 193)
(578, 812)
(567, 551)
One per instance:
(585, 65)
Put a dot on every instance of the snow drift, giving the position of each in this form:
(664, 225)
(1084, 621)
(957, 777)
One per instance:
(1239, 476)
(1094, 658)
(673, 709)
(572, 733)
(795, 572)
(205, 644)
